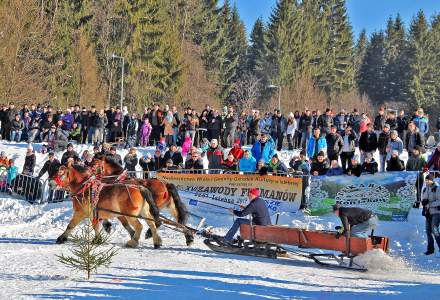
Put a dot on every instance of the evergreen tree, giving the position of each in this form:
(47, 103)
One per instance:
(396, 60)
(155, 59)
(422, 83)
(372, 71)
(360, 51)
(336, 72)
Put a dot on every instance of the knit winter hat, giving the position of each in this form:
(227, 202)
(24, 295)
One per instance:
(254, 191)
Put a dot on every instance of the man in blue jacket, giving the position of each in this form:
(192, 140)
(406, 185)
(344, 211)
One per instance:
(317, 143)
(263, 149)
(248, 163)
(257, 208)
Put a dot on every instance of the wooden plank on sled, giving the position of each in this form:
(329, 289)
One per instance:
(311, 239)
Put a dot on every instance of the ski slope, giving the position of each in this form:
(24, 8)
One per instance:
(30, 270)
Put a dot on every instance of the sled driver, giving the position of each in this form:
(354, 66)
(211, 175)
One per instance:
(360, 220)
(257, 208)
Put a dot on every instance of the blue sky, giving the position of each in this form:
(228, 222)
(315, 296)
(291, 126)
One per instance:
(369, 14)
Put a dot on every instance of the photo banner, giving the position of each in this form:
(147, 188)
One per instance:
(389, 195)
(282, 194)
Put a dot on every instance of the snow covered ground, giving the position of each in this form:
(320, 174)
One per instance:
(30, 270)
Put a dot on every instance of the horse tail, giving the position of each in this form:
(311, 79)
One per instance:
(154, 210)
(182, 212)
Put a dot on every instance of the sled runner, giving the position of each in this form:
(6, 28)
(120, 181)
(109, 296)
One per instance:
(266, 241)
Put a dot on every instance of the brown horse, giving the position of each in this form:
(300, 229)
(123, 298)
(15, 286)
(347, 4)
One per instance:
(165, 195)
(114, 201)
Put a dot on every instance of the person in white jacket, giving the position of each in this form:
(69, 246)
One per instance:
(292, 126)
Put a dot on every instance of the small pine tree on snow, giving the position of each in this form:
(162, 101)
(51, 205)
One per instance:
(88, 252)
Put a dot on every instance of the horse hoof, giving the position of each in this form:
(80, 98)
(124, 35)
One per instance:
(131, 244)
(189, 240)
(157, 246)
(61, 240)
(148, 234)
(107, 227)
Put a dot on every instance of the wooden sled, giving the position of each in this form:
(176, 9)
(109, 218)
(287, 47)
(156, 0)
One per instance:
(265, 241)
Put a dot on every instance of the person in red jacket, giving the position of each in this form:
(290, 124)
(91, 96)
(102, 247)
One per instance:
(236, 150)
(434, 161)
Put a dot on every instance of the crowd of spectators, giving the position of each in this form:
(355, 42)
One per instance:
(327, 141)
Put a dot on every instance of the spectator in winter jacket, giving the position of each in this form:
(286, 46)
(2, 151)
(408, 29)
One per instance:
(392, 121)
(325, 121)
(421, 122)
(215, 155)
(305, 127)
(186, 146)
(395, 164)
(230, 122)
(131, 131)
(174, 155)
(34, 130)
(368, 142)
(236, 150)
(51, 166)
(291, 131)
(369, 166)
(416, 162)
(264, 148)
(75, 133)
(348, 148)
(278, 128)
(248, 162)
(169, 166)
(91, 124)
(131, 160)
(115, 157)
(168, 131)
(17, 126)
(70, 153)
(195, 162)
(402, 125)
(101, 124)
(11, 174)
(215, 125)
(60, 139)
(394, 143)
(335, 169)
(320, 165)
(29, 162)
(434, 160)
(355, 122)
(68, 120)
(380, 120)
(365, 121)
(145, 133)
(340, 121)
(355, 169)
(413, 138)
(276, 166)
(4, 161)
(147, 164)
(316, 144)
(382, 144)
(431, 211)
(230, 164)
(334, 144)
(300, 164)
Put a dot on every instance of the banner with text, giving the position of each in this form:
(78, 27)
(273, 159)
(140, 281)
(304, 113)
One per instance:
(389, 195)
(282, 194)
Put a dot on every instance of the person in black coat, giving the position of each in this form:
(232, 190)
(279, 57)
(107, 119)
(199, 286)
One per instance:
(355, 169)
(131, 160)
(195, 162)
(70, 153)
(115, 157)
(368, 141)
(335, 143)
(29, 162)
(257, 208)
(174, 155)
(215, 125)
(320, 165)
(51, 166)
(360, 221)
(395, 164)
(369, 165)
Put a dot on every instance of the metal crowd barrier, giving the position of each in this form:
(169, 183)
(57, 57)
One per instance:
(27, 187)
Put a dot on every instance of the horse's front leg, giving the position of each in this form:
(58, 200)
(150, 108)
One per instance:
(76, 219)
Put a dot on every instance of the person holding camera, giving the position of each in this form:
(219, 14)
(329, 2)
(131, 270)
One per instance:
(431, 211)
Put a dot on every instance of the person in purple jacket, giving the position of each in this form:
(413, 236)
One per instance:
(145, 133)
(67, 120)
